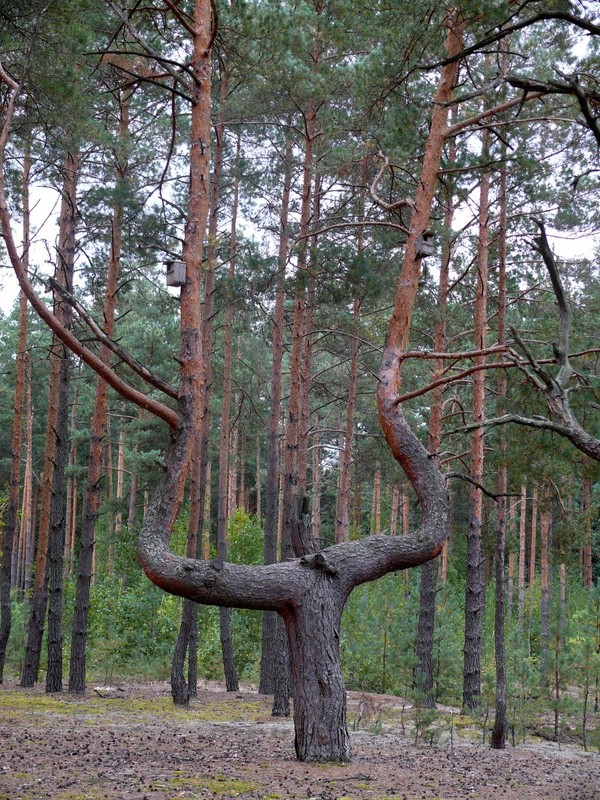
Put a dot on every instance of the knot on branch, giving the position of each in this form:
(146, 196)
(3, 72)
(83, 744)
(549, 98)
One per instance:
(319, 561)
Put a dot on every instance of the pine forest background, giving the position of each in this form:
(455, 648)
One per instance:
(321, 116)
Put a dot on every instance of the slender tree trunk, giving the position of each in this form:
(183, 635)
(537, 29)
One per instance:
(522, 557)
(511, 584)
(71, 494)
(533, 537)
(269, 649)
(588, 575)
(395, 509)
(12, 509)
(29, 503)
(376, 509)
(545, 526)
(188, 630)
(317, 477)
(500, 729)
(39, 598)
(56, 538)
(475, 586)
(258, 482)
(93, 490)
(231, 679)
(357, 499)
(342, 520)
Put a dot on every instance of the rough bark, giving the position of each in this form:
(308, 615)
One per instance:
(186, 643)
(56, 536)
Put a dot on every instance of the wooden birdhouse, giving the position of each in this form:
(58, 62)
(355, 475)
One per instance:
(425, 245)
(175, 273)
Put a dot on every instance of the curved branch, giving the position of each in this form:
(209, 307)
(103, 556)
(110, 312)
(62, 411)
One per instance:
(561, 349)
(568, 427)
(373, 190)
(126, 358)
(580, 22)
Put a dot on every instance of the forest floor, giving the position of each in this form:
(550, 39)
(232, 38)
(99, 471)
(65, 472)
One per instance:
(130, 743)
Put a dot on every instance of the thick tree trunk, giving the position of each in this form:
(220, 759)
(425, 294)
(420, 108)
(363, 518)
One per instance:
(54, 672)
(313, 631)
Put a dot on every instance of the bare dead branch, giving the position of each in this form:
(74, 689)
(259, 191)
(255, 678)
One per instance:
(572, 19)
(459, 127)
(561, 349)
(114, 347)
(404, 203)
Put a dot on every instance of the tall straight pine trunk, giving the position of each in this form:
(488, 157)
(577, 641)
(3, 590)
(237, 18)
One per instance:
(475, 588)
(63, 276)
(12, 508)
(93, 489)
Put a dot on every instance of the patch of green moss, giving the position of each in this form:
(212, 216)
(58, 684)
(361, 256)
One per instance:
(77, 796)
(219, 784)
(228, 712)
(54, 704)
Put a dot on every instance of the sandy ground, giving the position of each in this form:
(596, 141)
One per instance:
(129, 742)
